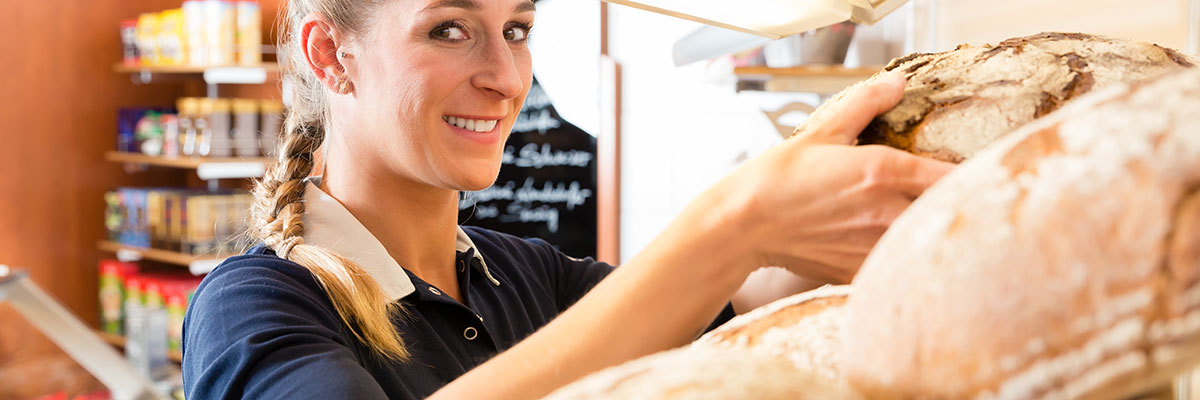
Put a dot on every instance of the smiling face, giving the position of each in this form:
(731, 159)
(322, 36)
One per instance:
(438, 85)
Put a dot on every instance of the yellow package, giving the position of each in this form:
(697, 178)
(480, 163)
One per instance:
(147, 38)
(171, 41)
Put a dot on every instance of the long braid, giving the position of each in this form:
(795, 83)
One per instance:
(278, 211)
(278, 218)
(278, 207)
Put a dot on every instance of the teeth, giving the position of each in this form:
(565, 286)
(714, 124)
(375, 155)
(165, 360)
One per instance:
(474, 125)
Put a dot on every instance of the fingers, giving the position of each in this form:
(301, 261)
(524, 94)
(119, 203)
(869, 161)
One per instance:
(913, 174)
(841, 119)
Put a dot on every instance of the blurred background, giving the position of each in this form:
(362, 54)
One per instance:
(133, 129)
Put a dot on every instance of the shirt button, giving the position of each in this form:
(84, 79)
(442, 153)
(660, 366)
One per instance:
(470, 333)
(434, 291)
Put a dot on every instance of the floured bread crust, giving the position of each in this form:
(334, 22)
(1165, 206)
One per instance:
(958, 102)
(803, 328)
(703, 373)
(1061, 262)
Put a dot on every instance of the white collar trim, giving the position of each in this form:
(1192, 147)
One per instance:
(330, 225)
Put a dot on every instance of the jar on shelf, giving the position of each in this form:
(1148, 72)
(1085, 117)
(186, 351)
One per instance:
(185, 142)
(272, 118)
(220, 122)
(245, 127)
(201, 143)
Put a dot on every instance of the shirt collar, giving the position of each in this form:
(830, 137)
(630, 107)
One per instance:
(330, 225)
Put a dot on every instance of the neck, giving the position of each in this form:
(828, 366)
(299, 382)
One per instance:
(416, 223)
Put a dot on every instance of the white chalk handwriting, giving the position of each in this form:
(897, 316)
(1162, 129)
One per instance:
(533, 156)
(540, 121)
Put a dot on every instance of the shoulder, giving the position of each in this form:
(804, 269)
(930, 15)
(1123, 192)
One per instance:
(260, 326)
(253, 295)
(257, 283)
(259, 269)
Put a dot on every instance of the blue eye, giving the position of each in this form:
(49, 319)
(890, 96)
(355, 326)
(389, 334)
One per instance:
(517, 32)
(449, 31)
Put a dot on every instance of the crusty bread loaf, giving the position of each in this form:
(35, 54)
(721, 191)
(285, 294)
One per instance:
(700, 373)
(959, 101)
(1061, 262)
(803, 328)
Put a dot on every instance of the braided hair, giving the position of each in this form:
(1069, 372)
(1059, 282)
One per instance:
(277, 214)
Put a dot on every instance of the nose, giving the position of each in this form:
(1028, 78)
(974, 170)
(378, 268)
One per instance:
(501, 69)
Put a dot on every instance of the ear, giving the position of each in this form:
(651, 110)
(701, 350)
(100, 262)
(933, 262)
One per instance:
(320, 42)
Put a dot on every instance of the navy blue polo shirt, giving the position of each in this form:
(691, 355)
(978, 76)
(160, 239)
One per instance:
(261, 327)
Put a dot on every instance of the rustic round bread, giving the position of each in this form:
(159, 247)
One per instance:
(958, 102)
(702, 373)
(1061, 262)
(803, 328)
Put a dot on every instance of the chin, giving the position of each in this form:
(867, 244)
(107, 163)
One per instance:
(477, 181)
(474, 187)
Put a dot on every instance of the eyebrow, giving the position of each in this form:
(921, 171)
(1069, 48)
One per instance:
(472, 5)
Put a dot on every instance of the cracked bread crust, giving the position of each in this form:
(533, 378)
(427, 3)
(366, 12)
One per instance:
(1060, 262)
(803, 328)
(958, 102)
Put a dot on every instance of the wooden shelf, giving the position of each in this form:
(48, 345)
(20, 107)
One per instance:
(808, 71)
(119, 341)
(810, 79)
(187, 162)
(269, 67)
(213, 75)
(197, 265)
(206, 167)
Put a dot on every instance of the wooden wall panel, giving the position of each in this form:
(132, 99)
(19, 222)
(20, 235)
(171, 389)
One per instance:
(58, 107)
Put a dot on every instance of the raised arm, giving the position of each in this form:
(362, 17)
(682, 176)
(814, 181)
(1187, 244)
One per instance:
(812, 204)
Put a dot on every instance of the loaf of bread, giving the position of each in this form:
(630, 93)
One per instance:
(803, 328)
(703, 373)
(1060, 262)
(958, 102)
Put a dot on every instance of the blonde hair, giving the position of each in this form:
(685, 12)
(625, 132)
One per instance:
(276, 217)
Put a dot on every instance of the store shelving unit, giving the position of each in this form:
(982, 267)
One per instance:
(209, 169)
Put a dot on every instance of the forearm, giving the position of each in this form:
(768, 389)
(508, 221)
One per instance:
(769, 284)
(663, 298)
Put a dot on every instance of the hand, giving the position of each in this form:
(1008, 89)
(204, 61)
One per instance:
(815, 204)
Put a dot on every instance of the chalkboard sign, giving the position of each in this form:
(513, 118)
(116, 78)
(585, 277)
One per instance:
(547, 183)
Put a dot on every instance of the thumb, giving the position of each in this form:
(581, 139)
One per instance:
(842, 118)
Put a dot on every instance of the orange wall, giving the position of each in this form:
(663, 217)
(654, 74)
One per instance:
(58, 107)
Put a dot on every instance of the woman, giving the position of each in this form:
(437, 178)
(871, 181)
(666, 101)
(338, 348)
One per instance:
(365, 286)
